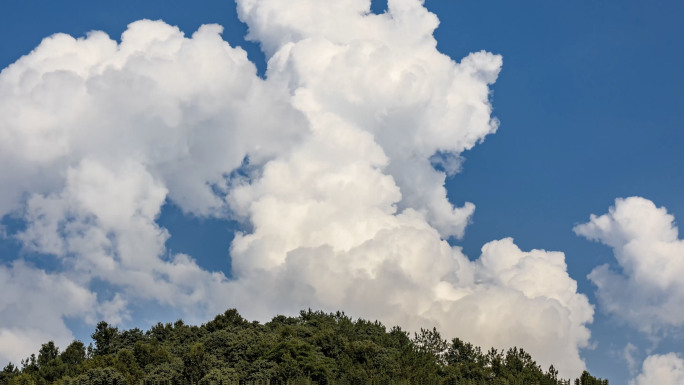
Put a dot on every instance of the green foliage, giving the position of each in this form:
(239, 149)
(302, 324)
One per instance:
(219, 377)
(8, 373)
(106, 339)
(128, 366)
(588, 379)
(22, 379)
(314, 347)
(74, 354)
(101, 376)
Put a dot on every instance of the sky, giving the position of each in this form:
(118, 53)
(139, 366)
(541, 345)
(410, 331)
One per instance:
(508, 172)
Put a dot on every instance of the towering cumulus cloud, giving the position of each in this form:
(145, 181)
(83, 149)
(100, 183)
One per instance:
(335, 163)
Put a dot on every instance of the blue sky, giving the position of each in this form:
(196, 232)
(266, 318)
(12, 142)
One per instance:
(590, 109)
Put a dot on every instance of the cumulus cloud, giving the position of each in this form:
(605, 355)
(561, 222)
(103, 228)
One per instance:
(33, 305)
(666, 369)
(100, 135)
(335, 163)
(647, 291)
(187, 110)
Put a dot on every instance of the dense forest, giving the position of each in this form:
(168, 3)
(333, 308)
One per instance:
(314, 347)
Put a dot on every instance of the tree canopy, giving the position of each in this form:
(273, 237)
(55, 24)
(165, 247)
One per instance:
(315, 347)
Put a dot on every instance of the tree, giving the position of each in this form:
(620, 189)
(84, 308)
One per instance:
(431, 342)
(29, 365)
(222, 376)
(313, 346)
(22, 379)
(105, 338)
(9, 372)
(587, 379)
(165, 372)
(128, 367)
(50, 366)
(464, 360)
(74, 354)
(552, 374)
(48, 352)
(197, 363)
(231, 318)
(102, 376)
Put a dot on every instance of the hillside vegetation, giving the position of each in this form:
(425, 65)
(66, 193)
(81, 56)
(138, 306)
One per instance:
(314, 347)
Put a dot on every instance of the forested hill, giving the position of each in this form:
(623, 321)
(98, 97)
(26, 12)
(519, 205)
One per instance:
(313, 347)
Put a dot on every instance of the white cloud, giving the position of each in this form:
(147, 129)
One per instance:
(406, 275)
(345, 208)
(188, 110)
(102, 224)
(629, 355)
(666, 369)
(382, 74)
(32, 307)
(648, 291)
(100, 134)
